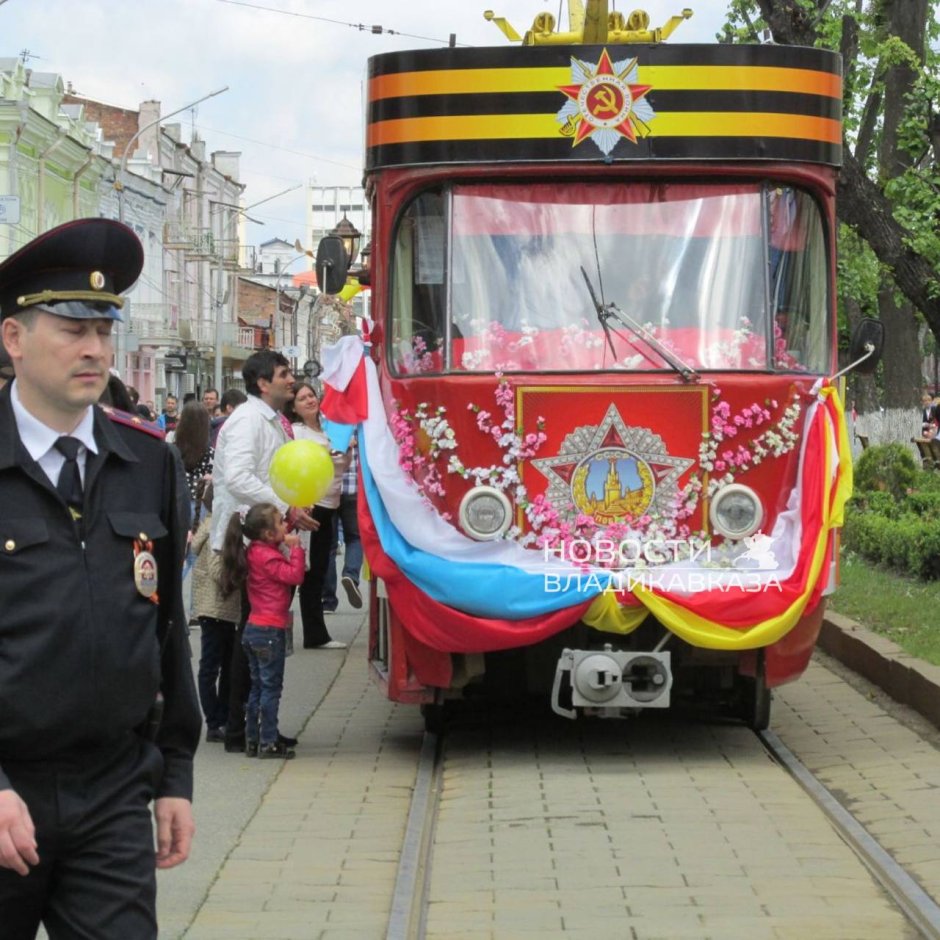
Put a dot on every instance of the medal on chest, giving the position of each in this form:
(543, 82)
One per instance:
(145, 569)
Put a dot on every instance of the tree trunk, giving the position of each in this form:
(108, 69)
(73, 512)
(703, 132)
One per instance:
(901, 361)
(905, 19)
(861, 390)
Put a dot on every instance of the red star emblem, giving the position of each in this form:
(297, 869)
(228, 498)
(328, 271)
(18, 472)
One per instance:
(606, 100)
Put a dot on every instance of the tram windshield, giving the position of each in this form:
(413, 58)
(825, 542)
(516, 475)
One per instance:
(729, 276)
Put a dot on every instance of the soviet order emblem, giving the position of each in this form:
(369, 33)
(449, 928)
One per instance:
(612, 472)
(605, 102)
(96, 279)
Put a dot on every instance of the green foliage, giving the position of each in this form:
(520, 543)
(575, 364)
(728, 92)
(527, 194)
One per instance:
(877, 501)
(907, 543)
(890, 468)
(859, 271)
(897, 526)
(924, 503)
(914, 191)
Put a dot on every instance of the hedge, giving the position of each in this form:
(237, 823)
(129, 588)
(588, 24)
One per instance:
(894, 517)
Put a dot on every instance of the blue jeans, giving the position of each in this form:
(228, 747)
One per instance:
(264, 647)
(190, 558)
(352, 553)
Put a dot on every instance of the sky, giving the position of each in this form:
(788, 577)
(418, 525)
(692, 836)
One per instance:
(294, 108)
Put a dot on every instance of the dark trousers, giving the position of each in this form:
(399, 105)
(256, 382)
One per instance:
(311, 591)
(239, 682)
(348, 515)
(215, 668)
(96, 874)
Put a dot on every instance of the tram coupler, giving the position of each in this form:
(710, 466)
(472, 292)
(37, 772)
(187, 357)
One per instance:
(611, 683)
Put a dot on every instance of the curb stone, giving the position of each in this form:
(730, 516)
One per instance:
(905, 678)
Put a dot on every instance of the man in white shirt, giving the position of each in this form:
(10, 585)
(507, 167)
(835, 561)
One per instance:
(241, 479)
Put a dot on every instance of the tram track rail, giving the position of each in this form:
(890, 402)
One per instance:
(408, 916)
(919, 908)
(409, 898)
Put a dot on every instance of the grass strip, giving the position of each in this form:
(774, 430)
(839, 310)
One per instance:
(902, 609)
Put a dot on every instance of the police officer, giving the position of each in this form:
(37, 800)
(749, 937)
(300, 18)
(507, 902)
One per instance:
(92, 631)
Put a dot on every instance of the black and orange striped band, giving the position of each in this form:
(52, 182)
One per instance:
(609, 104)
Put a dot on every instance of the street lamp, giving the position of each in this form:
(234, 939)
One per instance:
(350, 236)
(364, 274)
(119, 183)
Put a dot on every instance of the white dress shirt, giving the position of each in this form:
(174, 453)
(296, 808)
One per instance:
(244, 449)
(39, 439)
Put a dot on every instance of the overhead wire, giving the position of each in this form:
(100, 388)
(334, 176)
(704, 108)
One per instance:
(362, 27)
(263, 143)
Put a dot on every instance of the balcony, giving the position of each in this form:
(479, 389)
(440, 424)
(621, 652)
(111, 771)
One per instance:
(200, 243)
(152, 323)
(238, 342)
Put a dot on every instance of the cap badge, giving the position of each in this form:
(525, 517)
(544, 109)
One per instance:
(96, 279)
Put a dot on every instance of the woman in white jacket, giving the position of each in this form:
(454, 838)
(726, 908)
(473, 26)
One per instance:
(304, 412)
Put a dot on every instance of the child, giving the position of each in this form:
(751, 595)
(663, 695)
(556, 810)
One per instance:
(269, 576)
(217, 615)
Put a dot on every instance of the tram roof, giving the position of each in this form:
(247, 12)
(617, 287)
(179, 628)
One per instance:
(608, 104)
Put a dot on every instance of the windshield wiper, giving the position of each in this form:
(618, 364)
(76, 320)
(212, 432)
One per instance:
(602, 316)
(606, 312)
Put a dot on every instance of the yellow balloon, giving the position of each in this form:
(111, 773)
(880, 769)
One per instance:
(301, 472)
(350, 291)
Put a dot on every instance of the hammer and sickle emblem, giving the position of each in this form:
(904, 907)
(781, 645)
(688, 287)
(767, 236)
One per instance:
(605, 102)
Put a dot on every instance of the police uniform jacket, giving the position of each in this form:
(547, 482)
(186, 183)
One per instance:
(83, 654)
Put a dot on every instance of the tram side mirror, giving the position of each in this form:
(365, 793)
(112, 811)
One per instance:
(332, 265)
(866, 345)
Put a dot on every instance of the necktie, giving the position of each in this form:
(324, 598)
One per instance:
(70, 478)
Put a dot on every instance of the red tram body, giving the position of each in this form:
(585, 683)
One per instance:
(602, 459)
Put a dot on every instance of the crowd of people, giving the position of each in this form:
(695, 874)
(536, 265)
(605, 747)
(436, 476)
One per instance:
(104, 512)
(240, 600)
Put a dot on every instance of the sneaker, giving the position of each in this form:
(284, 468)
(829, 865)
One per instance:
(215, 735)
(275, 750)
(251, 749)
(332, 645)
(352, 591)
(235, 745)
(286, 740)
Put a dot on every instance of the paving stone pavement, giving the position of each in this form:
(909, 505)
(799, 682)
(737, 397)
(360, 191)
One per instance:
(883, 772)
(318, 858)
(641, 829)
(659, 829)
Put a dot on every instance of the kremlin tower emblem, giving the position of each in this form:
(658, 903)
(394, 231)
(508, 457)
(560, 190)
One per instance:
(611, 472)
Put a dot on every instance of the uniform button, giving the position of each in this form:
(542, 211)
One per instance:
(9, 545)
(142, 536)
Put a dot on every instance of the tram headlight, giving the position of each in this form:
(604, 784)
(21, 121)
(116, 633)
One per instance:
(736, 511)
(485, 513)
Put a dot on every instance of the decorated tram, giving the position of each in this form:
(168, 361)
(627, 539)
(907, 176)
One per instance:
(603, 452)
